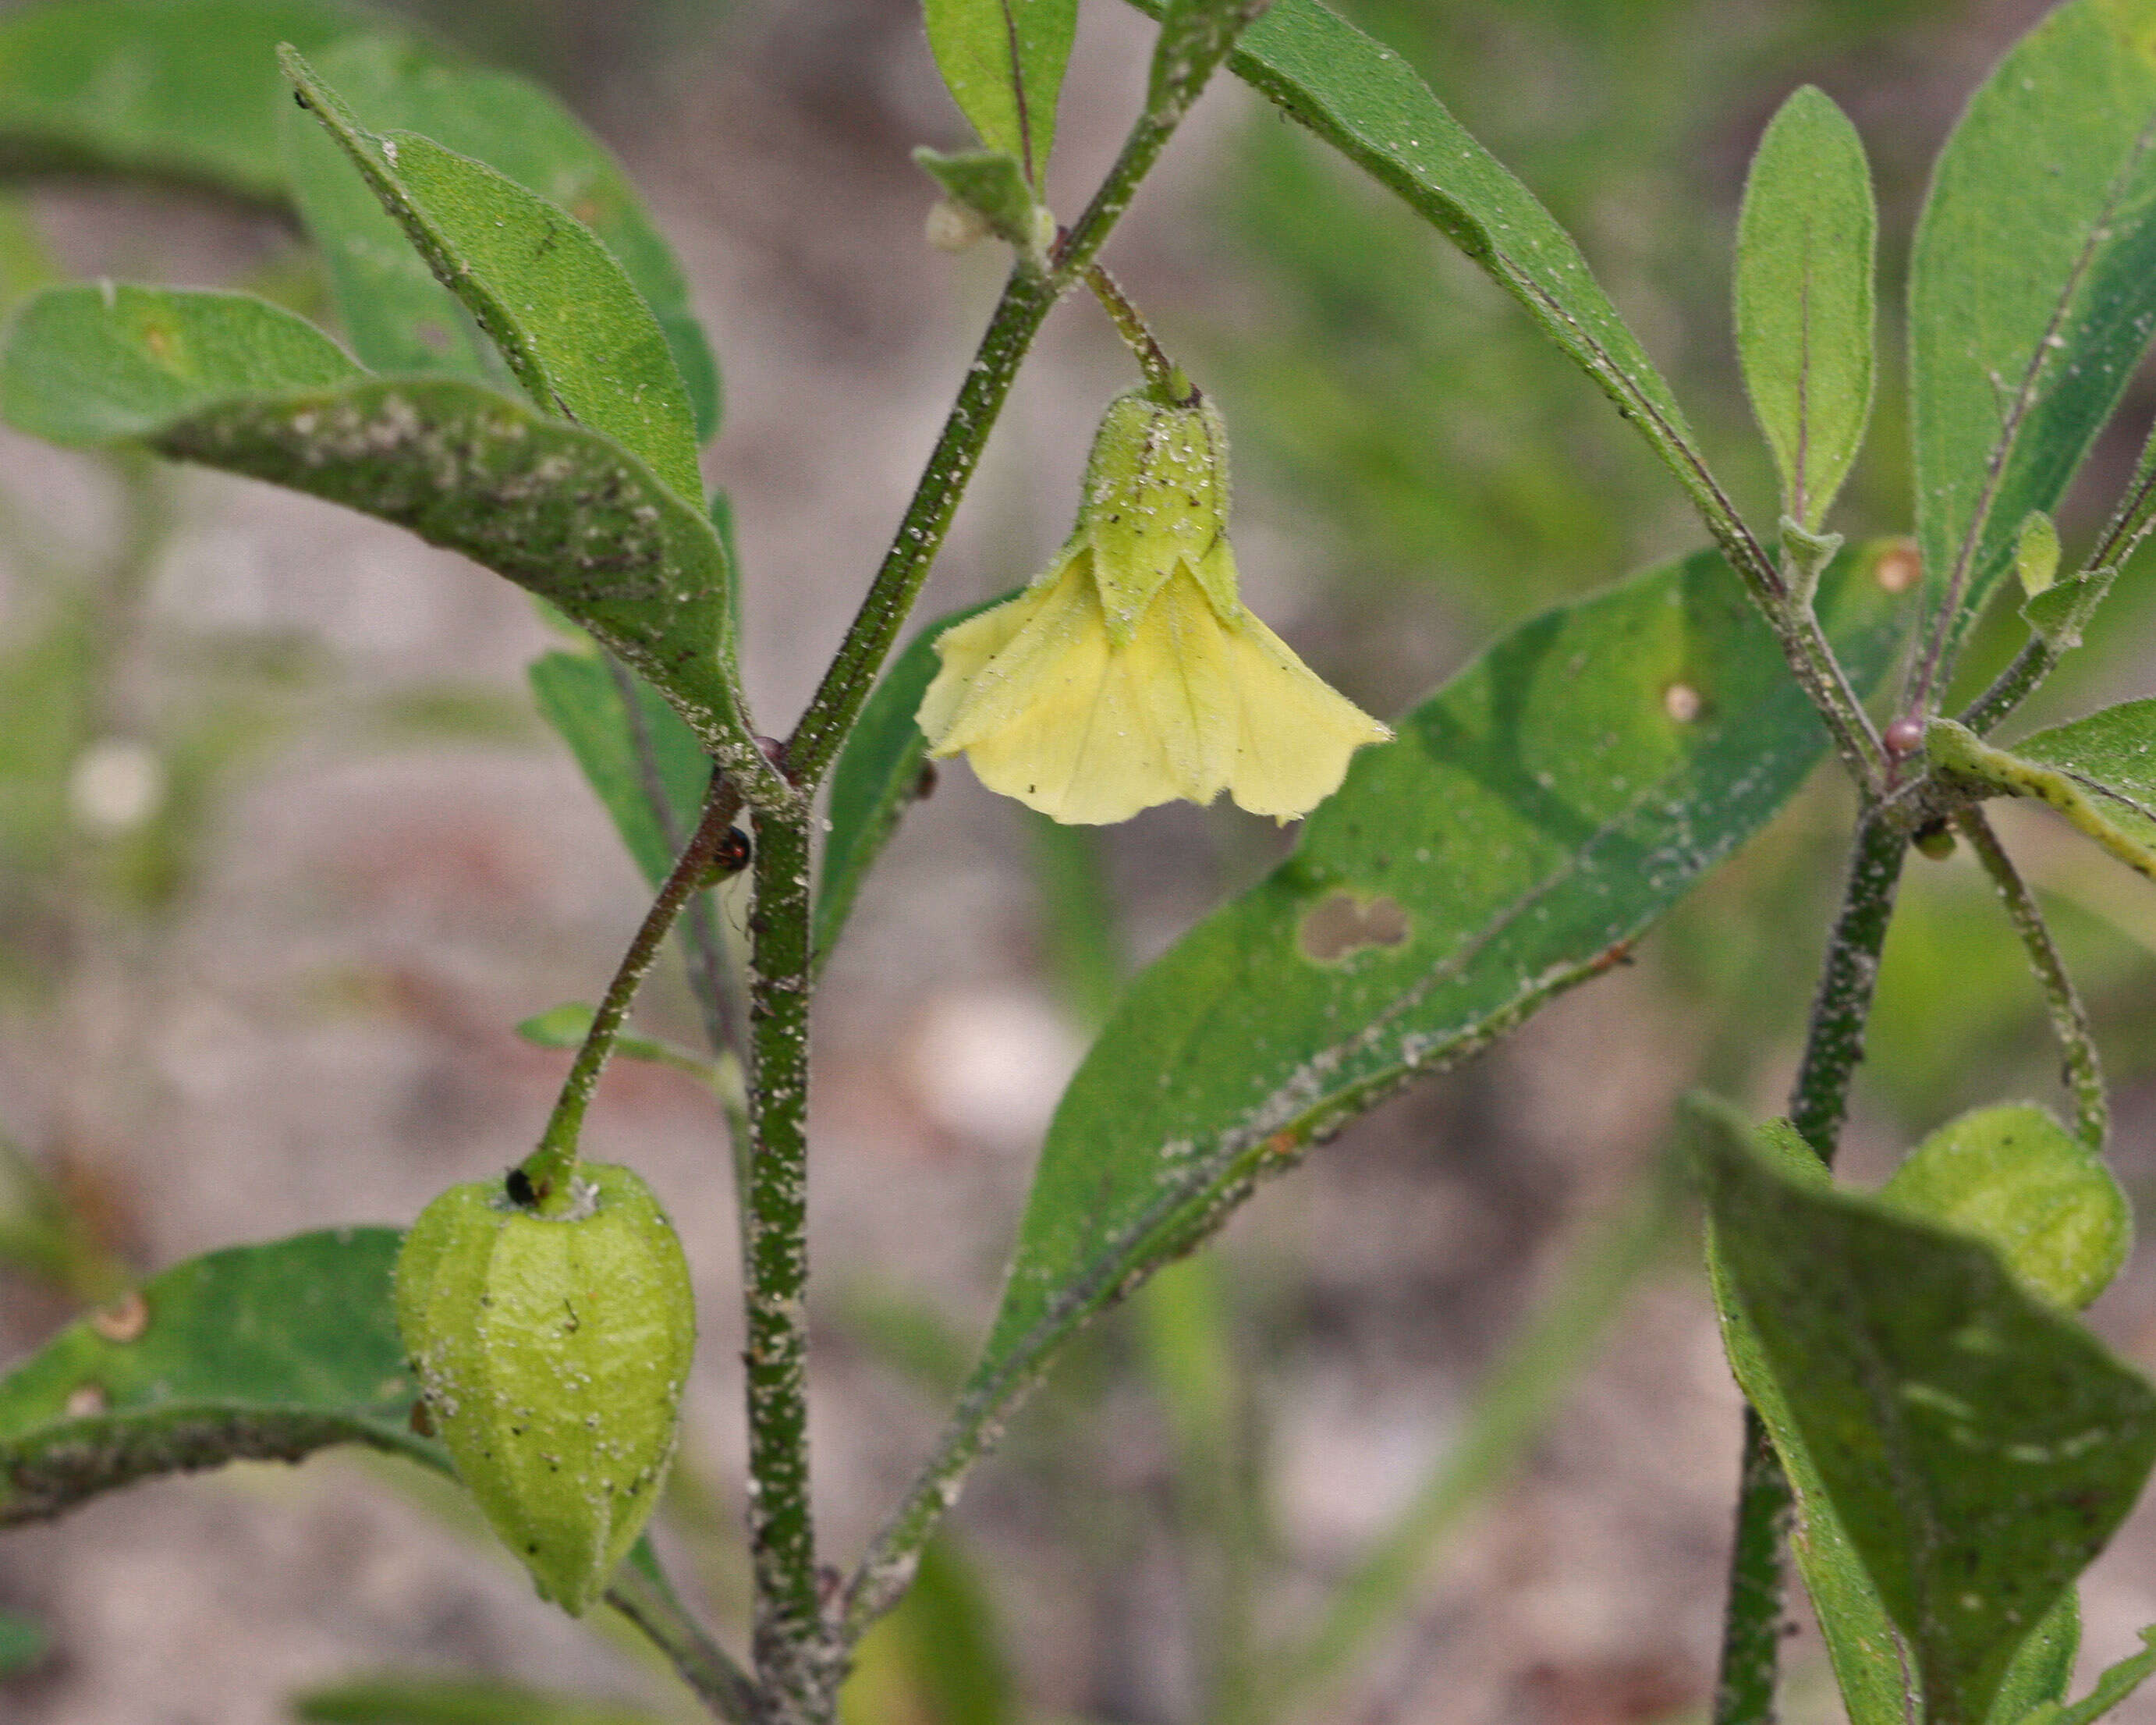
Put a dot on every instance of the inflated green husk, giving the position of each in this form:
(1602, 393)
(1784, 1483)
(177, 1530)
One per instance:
(551, 1352)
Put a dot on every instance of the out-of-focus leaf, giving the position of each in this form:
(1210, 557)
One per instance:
(1533, 818)
(180, 89)
(1804, 245)
(2099, 772)
(562, 312)
(2020, 1181)
(2032, 285)
(391, 1699)
(1978, 1445)
(262, 1353)
(22, 1644)
(561, 510)
(939, 1656)
(1003, 61)
(2117, 1682)
(578, 696)
(877, 774)
(394, 84)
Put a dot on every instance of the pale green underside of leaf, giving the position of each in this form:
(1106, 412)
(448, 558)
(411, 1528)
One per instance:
(1003, 61)
(1804, 310)
(2032, 289)
(564, 511)
(399, 317)
(1978, 1445)
(1530, 819)
(2099, 773)
(577, 696)
(264, 1353)
(174, 89)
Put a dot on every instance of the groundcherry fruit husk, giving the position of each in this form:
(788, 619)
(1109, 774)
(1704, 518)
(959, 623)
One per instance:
(551, 1352)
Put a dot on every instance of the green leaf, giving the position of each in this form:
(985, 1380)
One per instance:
(578, 696)
(2043, 1665)
(101, 364)
(22, 1644)
(2117, 1683)
(1979, 1447)
(877, 774)
(564, 511)
(2036, 554)
(938, 1656)
(1004, 61)
(2018, 1180)
(391, 1699)
(564, 313)
(2032, 286)
(1367, 102)
(174, 90)
(1804, 249)
(1532, 819)
(393, 84)
(992, 186)
(263, 1352)
(2061, 611)
(2099, 772)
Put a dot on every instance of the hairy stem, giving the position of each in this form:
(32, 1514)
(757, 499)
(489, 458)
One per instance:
(1165, 377)
(548, 1166)
(1818, 1102)
(792, 1648)
(2084, 1071)
(646, 1600)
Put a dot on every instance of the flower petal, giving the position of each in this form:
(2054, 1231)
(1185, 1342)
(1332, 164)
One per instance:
(1296, 732)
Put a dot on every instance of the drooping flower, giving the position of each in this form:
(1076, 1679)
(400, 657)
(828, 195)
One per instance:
(1129, 672)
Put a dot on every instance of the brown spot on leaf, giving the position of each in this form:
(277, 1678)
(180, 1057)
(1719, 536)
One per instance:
(86, 1401)
(1343, 924)
(124, 1319)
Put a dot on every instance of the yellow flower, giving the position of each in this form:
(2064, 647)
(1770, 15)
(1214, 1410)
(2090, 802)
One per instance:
(1129, 673)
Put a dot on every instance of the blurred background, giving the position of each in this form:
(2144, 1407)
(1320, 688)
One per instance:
(285, 854)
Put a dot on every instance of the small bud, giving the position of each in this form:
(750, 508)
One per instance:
(1899, 569)
(1934, 839)
(1904, 737)
(954, 226)
(729, 859)
(550, 1353)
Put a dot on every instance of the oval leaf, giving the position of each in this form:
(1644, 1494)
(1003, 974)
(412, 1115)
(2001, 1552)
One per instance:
(1979, 1447)
(172, 90)
(2032, 286)
(1804, 246)
(261, 1352)
(1004, 61)
(2100, 772)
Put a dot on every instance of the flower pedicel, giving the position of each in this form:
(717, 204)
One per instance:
(1130, 673)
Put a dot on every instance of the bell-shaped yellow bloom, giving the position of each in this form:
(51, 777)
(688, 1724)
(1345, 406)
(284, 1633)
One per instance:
(1129, 673)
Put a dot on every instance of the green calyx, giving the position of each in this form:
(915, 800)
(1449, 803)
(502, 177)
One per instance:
(551, 1352)
(1156, 498)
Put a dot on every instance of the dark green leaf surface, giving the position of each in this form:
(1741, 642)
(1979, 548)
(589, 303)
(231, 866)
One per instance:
(392, 84)
(264, 1353)
(878, 773)
(101, 364)
(560, 509)
(564, 313)
(393, 1700)
(580, 699)
(1979, 1447)
(182, 89)
(2032, 285)
(1004, 60)
(1368, 103)
(2100, 772)
(1530, 820)
(1805, 244)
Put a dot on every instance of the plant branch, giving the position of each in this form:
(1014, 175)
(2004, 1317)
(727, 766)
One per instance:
(646, 1601)
(2084, 1071)
(548, 1168)
(1161, 373)
(1818, 1103)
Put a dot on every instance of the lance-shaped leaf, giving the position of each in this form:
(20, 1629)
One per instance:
(264, 1353)
(2099, 772)
(171, 90)
(1805, 244)
(561, 510)
(1978, 1445)
(579, 697)
(1367, 102)
(1004, 61)
(396, 312)
(2032, 286)
(1530, 820)
(564, 313)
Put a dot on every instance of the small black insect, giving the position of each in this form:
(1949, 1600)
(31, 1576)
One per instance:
(521, 1192)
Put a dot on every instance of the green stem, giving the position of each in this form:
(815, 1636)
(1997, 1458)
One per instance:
(1818, 1103)
(2084, 1071)
(646, 1600)
(1162, 373)
(548, 1168)
(794, 1650)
